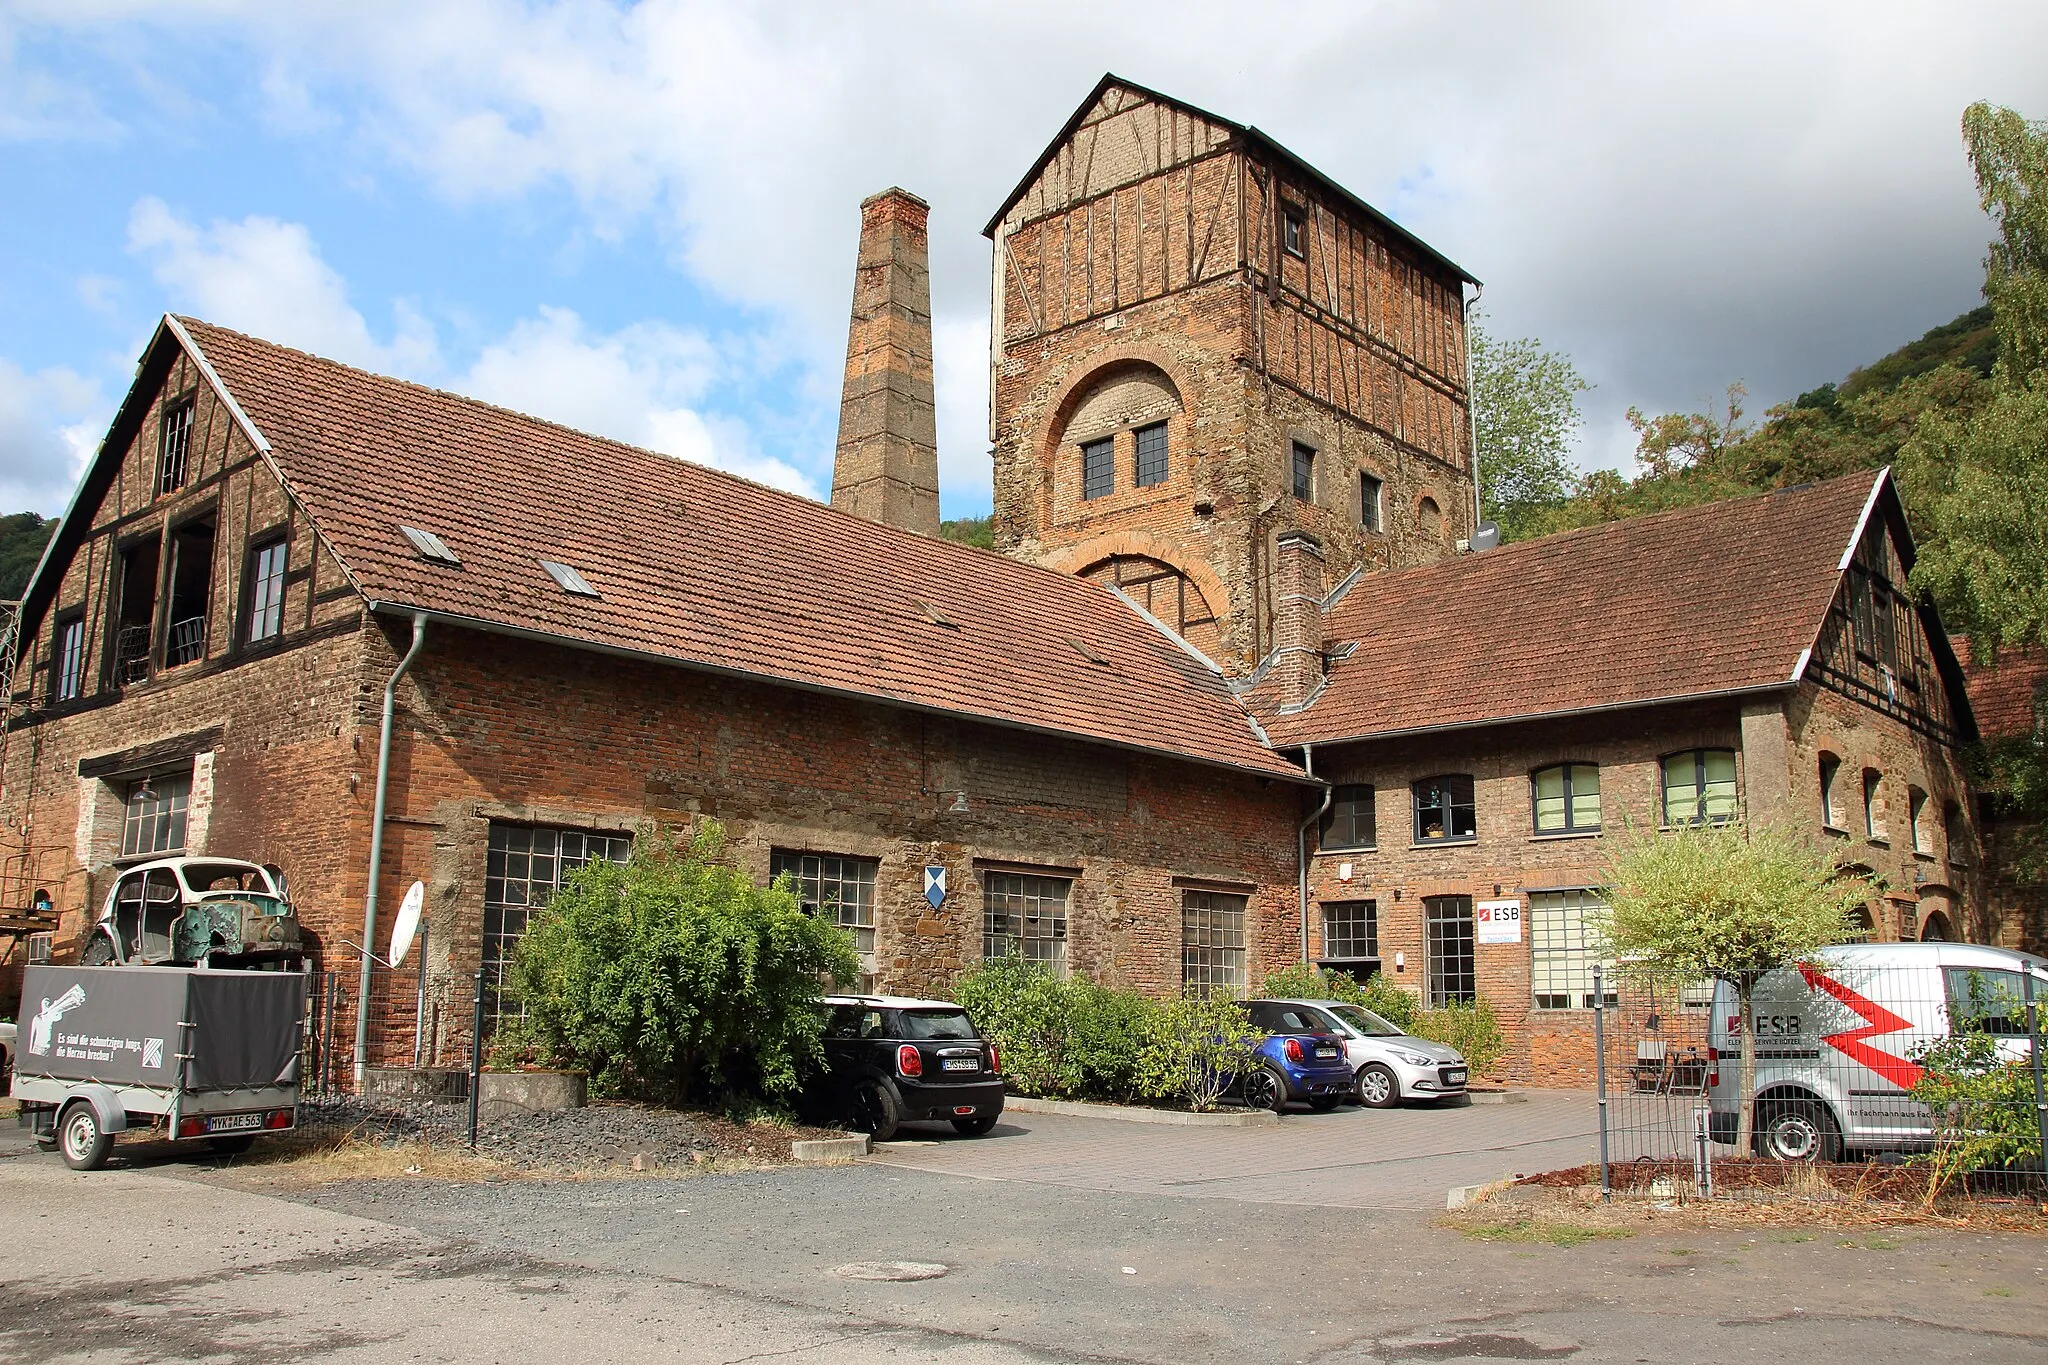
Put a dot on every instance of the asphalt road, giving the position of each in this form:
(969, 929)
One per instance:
(169, 1259)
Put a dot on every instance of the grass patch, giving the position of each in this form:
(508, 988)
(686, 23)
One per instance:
(1544, 1230)
(2000, 1293)
(1785, 1237)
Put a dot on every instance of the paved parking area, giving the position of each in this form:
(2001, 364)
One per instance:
(1403, 1158)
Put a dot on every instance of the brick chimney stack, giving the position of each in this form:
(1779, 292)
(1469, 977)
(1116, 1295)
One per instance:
(887, 465)
(1297, 666)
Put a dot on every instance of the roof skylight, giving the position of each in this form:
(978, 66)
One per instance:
(568, 579)
(430, 546)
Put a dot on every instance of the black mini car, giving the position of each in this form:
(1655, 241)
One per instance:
(891, 1061)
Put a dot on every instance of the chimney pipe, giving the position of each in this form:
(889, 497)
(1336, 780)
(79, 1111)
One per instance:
(887, 465)
(1297, 664)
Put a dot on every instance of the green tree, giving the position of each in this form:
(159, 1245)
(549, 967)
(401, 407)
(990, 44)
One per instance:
(1525, 411)
(674, 977)
(1730, 902)
(22, 538)
(976, 531)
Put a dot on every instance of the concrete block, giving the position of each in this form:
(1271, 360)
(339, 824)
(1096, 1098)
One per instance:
(1131, 1113)
(848, 1148)
(505, 1094)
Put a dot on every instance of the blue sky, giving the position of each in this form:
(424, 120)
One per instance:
(640, 219)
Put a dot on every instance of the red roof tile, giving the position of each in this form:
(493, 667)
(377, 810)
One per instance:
(1720, 598)
(2003, 692)
(705, 569)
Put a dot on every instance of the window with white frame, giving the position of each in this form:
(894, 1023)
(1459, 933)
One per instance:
(1563, 951)
(1025, 915)
(837, 887)
(67, 673)
(266, 591)
(1212, 944)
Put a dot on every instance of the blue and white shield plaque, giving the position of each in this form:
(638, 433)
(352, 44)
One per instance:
(935, 885)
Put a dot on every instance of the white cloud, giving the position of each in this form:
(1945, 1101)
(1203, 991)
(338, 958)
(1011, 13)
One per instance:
(1680, 196)
(50, 422)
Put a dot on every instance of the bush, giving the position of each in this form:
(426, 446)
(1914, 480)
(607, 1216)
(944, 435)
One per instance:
(1300, 981)
(1472, 1029)
(1983, 1103)
(674, 977)
(1195, 1049)
(1028, 1011)
(1110, 1030)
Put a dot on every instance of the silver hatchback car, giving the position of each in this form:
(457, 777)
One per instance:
(1389, 1065)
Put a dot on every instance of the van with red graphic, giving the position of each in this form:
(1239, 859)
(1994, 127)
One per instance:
(1835, 1041)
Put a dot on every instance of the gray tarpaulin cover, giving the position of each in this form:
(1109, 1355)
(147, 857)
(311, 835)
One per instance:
(120, 1025)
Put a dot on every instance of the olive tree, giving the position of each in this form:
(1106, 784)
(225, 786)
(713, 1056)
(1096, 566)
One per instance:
(1727, 902)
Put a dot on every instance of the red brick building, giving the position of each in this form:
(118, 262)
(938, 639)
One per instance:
(1234, 481)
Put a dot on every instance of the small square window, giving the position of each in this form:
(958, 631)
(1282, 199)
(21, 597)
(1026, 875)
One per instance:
(1151, 454)
(1349, 821)
(1294, 231)
(1370, 491)
(1566, 798)
(1350, 930)
(1098, 468)
(1304, 471)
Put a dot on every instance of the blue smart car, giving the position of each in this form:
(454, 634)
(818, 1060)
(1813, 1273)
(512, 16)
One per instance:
(1299, 1060)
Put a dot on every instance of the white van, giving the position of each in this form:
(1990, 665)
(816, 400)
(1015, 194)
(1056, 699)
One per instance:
(1835, 1042)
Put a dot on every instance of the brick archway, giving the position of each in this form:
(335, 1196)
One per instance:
(1101, 365)
(1140, 559)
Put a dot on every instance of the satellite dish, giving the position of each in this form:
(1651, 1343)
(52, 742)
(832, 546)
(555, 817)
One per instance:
(408, 922)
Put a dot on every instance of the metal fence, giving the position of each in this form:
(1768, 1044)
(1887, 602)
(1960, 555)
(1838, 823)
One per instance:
(1874, 1078)
(417, 1019)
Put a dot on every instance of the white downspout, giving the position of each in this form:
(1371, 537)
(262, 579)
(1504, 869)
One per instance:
(419, 639)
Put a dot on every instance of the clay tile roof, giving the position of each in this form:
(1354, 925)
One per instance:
(2003, 692)
(704, 569)
(1725, 597)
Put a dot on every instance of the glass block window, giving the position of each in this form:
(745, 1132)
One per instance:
(844, 888)
(154, 821)
(266, 591)
(1566, 798)
(1444, 811)
(1025, 916)
(1351, 929)
(1151, 454)
(67, 677)
(174, 448)
(1098, 468)
(1349, 821)
(1447, 944)
(1370, 494)
(1562, 954)
(525, 866)
(1304, 471)
(1699, 787)
(1212, 944)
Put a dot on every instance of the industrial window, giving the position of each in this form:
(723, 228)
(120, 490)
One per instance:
(1294, 231)
(1873, 804)
(67, 673)
(1830, 769)
(174, 448)
(1444, 810)
(1447, 943)
(1563, 953)
(1350, 929)
(1370, 493)
(1304, 471)
(266, 591)
(1566, 798)
(1699, 787)
(1349, 821)
(1025, 916)
(1151, 454)
(1873, 605)
(524, 866)
(1098, 468)
(154, 821)
(1916, 812)
(1212, 944)
(842, 887)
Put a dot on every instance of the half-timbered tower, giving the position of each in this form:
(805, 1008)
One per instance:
(1200, 343)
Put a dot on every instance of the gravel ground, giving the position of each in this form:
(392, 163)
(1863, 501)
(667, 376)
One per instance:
(601, 1135)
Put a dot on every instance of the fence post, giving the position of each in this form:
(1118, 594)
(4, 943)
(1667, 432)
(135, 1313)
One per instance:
(419, 1008)
(327, 1040)
(476, 1057)
(1600, 1075)
(2034, 1054)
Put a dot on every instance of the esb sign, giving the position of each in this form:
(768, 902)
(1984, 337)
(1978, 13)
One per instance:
(1499, 922)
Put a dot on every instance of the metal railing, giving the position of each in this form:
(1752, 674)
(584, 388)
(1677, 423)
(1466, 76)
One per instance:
(1871, 1080)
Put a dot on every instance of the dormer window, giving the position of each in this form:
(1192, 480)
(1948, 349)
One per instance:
(174, 448)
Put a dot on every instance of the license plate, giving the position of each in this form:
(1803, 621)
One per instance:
(1326, 1052)
(962, 1064)
(233, 1123)
(1454, 1077)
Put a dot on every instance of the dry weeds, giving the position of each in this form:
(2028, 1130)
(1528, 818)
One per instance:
(1804, 1200)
